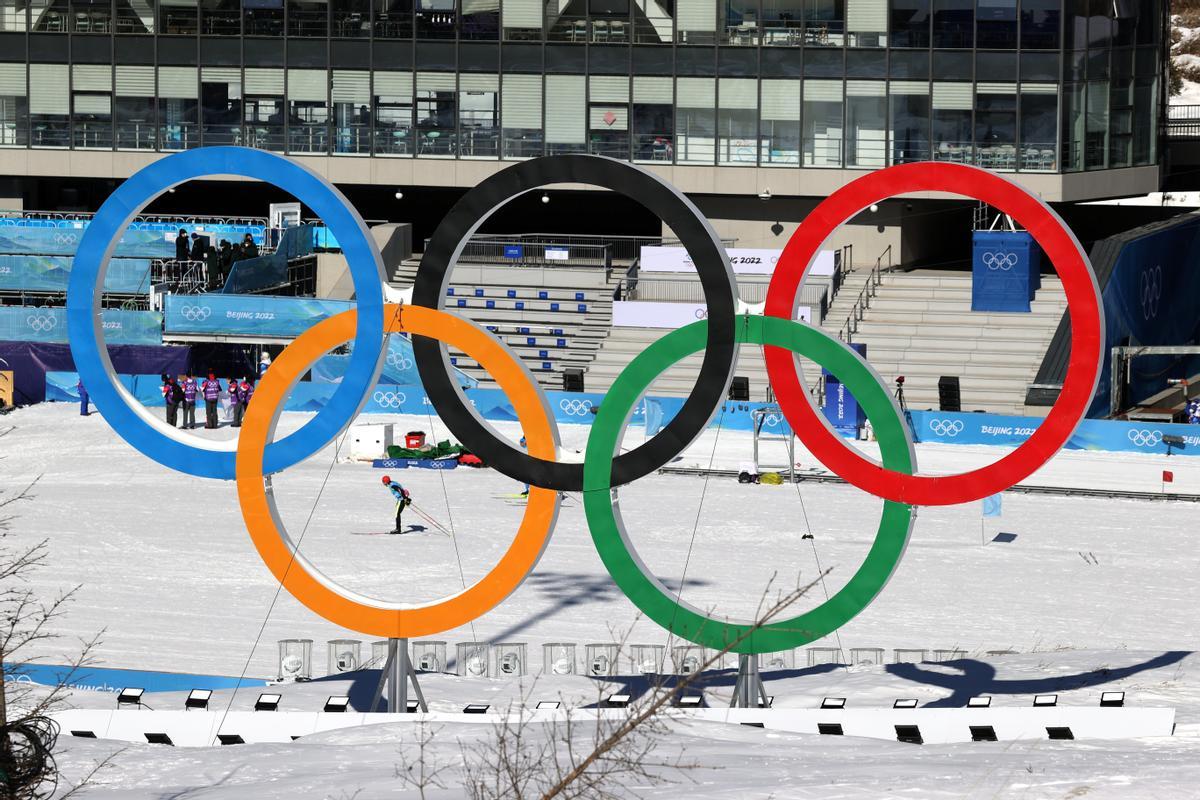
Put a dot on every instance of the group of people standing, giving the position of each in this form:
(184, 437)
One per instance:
(183, 391)
(218, 260)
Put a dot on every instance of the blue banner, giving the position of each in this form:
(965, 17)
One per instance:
(142, 239)
(106, 679)
(1005, 270)
(514, 251)
(841, 409)
(1092, 434)
(400, 368)
(247, 315)
(50, 274)
(49, 324)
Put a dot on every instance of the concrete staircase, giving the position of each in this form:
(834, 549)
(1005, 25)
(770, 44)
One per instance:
(920, 325)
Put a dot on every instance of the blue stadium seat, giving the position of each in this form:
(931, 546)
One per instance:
(562, 342)
(554, 306)
(479, 292)
(450, 291)
(582, 308)
(579, 295)
(490, 303)
(520, 306)
(511, 292)
(530, 340)
(462, 303)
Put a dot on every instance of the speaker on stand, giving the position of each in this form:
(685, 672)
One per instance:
(949, 397)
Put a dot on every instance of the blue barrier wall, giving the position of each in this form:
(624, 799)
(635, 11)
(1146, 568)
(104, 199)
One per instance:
(654, 412)
(106, 679)
(1005, 270)
(49, 324)
(51, 273)
(1151, 298)
(1092, 434)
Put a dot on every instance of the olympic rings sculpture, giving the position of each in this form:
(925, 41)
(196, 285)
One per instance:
(256, 455)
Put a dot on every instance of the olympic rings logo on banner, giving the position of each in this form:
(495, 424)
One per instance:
(65, 238)
(946, 427)
(600, 476)
(42, 322)
(998, 259)
(575, 408)
(1151, 286)
(1145, 438)
(195, 313)
(389, 399)
(399, 361)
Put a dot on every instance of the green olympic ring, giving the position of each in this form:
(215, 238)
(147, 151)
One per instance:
(648, 593)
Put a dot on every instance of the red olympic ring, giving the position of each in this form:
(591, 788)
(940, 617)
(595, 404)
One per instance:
(1083, 306)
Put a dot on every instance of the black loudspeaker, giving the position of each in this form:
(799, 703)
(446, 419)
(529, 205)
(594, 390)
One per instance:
(949, 398)
(739, 389)
(573, 379)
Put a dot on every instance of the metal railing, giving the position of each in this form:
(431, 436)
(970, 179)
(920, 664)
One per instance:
(868, 293)
(140, 218)
(180, 277)
(1183, 121)
(520, 252)
(621, 248)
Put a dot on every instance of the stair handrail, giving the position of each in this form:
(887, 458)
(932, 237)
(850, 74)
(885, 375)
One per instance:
(869, 290)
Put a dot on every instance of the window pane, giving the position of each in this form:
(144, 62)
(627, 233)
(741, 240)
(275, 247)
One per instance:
(350, 91)
(780, 123)
(177, 107)
(136, 17)
(740, 22)
(1095, 154)
(393, 113)
(522, 116)
(264, 108)
(221, 105)
(14, 106)
(910, 23)
(866, 23)
(350, 19)
(566, 115)
(178, 17)
(996, 127)
(997, 21)
(653, 120)
(951, 128)
(437, 109)
(1145, 107)
(697, 21)
(608, 116)
(49, 105)
(1040, 20)
(911, 107)
(393, 19)
(263, 17)
(823, 125)
(221, 17)
(308, 111)
(1120, 141)
(436, 19)
(308, 18)
(824, 23)
(90, 17)
(953, 23)
(652, 21)
(695, 120)
(782, 22)
(134, 107)
(737, 121)
(478, 109)
(47, 16)
(481, 19)
(91, 102)
(14, 15)
(522, 20)
(1073, 126)
(866, 124)
(1039, 121)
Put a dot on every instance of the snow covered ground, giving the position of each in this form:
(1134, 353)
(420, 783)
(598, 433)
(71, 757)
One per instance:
(1092, 594)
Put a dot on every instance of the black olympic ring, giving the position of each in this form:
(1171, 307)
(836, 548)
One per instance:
(697, 237)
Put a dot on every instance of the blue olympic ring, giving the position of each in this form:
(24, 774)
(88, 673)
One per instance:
(128, 417)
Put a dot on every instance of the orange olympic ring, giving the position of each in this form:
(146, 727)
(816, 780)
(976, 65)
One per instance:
(321, 594)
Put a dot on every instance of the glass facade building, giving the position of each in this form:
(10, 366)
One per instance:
(1051, 86)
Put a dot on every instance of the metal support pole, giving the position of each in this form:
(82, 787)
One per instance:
(749, 691)
(398, 676)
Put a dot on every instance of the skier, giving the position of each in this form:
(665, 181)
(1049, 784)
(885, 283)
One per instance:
(189, 401)
(403, 500)
(1193, 411)
(263, 363)
(211, 389)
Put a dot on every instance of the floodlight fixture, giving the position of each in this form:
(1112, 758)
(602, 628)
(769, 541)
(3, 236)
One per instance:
(476, 708)
(130, 696)
(197, 699)
(1045, 701)
(833, 703)
(1060, 734)
(548, 705)
(909, 734)
(829, 728)
(1112, 699)
(159, 738)
(691, 701)
(905, 702)
(982, 701)
(230, 738)
(337, 704)
(983, 733)
(268, 701)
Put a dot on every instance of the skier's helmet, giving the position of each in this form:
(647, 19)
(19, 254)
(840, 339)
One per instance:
(386, 480)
